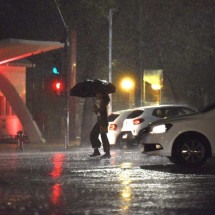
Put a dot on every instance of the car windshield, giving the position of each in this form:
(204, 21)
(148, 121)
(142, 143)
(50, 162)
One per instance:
(171, 111)
(135, 114)
(112, 117)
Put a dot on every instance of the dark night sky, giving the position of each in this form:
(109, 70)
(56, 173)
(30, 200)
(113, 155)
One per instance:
(173, 30)
(30, 19)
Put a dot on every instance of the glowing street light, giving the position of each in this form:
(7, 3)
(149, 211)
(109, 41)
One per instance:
(156, 86)
(157, 91)
(127, 84)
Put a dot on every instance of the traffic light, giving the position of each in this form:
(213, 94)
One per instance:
(58, 85)
(55, 70)
(57, 79)
(57, 64)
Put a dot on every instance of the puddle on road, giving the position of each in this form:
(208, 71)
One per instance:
(48, 182)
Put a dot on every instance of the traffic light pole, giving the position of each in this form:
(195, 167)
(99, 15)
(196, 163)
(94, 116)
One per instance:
(67, 74)
(67, 96)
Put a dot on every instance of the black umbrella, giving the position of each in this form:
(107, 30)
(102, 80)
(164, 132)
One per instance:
(89, 88)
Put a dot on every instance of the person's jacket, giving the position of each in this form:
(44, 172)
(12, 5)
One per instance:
(101, 111)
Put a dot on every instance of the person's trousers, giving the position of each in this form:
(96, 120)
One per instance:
(94, 138)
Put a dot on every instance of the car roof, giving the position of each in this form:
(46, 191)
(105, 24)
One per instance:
(122, 114)
(207, 108)
(153, 107)
(121, 111)
(163, 106)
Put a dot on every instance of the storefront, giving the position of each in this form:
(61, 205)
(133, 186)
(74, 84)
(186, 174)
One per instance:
(14, 115)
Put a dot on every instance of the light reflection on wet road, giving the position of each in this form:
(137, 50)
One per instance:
(69, 182)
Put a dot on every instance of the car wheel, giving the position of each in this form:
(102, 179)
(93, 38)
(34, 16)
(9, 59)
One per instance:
(191, 151)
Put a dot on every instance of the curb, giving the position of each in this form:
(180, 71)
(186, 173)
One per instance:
(49, 146)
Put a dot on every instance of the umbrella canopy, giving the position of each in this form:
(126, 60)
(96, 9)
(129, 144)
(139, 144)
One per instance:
(89, 88)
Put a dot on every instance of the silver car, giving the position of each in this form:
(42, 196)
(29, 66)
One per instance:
(186, 140)
(115, 122)
(139, 118)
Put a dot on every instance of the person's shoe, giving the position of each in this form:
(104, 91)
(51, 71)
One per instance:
(106, 155)
(95, 153)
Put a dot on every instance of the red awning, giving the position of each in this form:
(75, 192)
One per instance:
(15, 49)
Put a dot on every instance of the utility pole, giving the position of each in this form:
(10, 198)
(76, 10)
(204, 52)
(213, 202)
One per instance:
(72, 69)
(110, 53)
(140, 71)
(67, 74)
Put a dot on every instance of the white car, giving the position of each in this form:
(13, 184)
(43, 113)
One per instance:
(137, 120)
(186, 140)
(115, 121)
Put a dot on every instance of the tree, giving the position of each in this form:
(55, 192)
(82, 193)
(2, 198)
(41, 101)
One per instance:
(177, 36)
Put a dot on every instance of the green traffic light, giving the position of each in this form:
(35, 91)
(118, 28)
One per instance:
(55, 71)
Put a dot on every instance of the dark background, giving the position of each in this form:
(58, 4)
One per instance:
(176, 36)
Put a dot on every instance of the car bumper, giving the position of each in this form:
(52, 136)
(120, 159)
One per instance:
(129, 138)
(112, 137)
(157, 144)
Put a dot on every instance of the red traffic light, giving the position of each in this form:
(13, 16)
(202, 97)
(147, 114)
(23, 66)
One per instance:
(58, 86)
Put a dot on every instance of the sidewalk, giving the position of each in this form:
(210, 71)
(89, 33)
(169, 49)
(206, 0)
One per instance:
(51, 145)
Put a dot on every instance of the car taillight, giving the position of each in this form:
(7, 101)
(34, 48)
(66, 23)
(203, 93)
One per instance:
(138, 121)
(113, 127)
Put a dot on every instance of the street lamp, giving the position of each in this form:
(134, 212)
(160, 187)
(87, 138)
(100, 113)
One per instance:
(156, 86)
(157, 91)
(127, 84)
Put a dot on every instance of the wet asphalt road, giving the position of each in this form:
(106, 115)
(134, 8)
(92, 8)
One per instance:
(69, 182)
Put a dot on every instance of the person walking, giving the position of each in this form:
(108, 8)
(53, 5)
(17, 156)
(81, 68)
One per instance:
(101, 127)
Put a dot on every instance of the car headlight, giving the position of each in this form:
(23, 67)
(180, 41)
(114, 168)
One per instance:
(160, 128)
